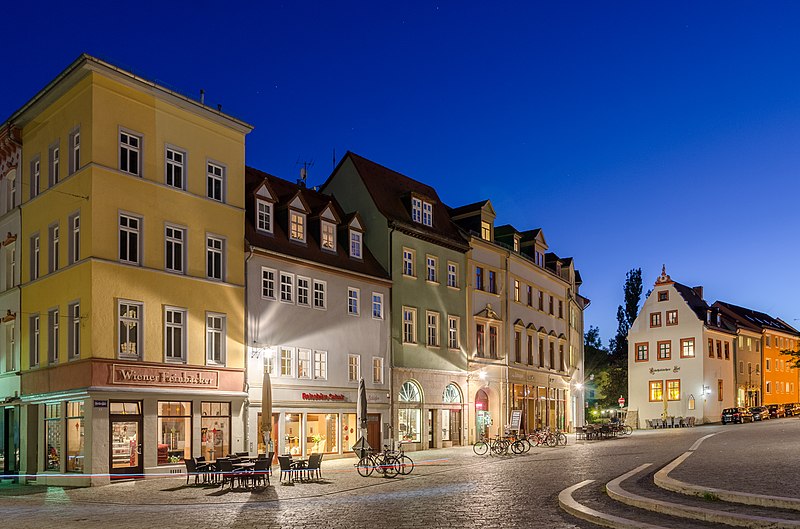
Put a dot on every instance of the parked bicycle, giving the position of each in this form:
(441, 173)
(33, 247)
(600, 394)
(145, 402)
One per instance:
(382, 462)
(406, 463)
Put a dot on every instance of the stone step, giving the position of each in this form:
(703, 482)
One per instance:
(637, 489)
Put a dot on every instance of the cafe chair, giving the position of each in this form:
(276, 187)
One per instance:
(313, 468)
(286, 468)
(261, 472)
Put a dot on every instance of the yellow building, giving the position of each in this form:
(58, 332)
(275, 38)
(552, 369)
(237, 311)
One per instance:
(132, 265)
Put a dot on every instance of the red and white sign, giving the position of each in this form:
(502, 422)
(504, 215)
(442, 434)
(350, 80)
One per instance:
(621, 402)
(323, 396)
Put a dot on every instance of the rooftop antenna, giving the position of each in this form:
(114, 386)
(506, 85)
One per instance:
(202, 97)
(334, 157)
(304, 167)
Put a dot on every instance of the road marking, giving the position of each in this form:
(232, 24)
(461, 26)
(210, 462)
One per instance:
(697, 443)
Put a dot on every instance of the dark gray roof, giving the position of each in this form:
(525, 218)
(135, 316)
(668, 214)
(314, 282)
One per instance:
(760, 320)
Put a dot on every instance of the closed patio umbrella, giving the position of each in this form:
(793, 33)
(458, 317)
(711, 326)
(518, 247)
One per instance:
(361, 406)
(266, 410)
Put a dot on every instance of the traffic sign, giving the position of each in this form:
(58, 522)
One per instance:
(621, 402)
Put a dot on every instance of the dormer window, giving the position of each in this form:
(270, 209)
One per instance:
(297, 226)
(486, 231)
(516, 243)
(421, 211)
(355, 244)
(328, 236)
(264, 216)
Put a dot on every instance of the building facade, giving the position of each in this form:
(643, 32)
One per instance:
(525, 330)
(318, 320)
(680, 356)
(132, 273)
(777, 381)
(410, 232)
(10, 159)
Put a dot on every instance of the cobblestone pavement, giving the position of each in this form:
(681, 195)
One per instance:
(448, 488)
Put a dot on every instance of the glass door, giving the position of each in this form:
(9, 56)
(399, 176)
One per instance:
(126, 439)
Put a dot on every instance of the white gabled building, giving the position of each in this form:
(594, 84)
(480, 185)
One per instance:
(680, 356)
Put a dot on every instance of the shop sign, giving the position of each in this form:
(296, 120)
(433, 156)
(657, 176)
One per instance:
(674, 369)
(323, 396)
(516, 419)
(100, 403)
(156, 376)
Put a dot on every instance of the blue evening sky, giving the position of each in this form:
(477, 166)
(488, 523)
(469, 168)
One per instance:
(632, 133)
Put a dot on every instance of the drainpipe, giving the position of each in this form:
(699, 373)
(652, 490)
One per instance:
(509, 329)
(393, 317)
(247, 342)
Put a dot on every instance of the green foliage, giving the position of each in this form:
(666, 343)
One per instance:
(710, 496)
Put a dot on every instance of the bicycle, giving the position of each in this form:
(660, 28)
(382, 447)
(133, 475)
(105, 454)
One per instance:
(406, 463)
(381, 462)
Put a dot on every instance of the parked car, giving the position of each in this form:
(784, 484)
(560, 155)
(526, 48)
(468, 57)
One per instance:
(733, 415)
(760, 413)
(791, 409)
(776, 411)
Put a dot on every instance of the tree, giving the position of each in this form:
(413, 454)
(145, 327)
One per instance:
(626, 315)
(595, 356)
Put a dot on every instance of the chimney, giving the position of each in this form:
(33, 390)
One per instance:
(698, 291)
(708, 317)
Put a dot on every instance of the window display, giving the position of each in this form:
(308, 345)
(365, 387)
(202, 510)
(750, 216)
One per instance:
(175, 432)
(52, 436)
(321, 430)
(215, 429)
(75, 436)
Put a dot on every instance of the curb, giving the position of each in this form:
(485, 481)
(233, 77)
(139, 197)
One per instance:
(578, 510)
(616, 492)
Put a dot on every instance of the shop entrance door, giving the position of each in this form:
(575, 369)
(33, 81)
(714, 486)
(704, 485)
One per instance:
(9, 442)
(126, 443)
(374, 430)
(431, 423)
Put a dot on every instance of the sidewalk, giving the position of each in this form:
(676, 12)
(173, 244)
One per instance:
(338, 476)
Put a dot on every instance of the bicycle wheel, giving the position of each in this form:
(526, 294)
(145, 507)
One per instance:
(390, 466)
(406, 465)
(480, 448)
(561, 439)
(365, 466)
(518, 447)
(552, 440)
(628, 430)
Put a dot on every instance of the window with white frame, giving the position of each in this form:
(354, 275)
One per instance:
(264, 216)
(175, 166)
(174, 334)
(215, 251)
(268, 283)
(54, 247)
(11, 346)
(303, 291)
(408, 262)
(287, 291)
(303, 363)
(453, 324)
(287, 361)
(36, 174)
(52, 336)
(11, 265)
(269, 360)
(409, 325)
(353, 301)
(215, 182)
(215, 338)
(297, 226)
(35, 335)
(129, 324)
(320, 365)
(130, 151)
(74, 238)
(353, 367)
(516, 291)
(129, 238)
(377, 370)
(431, 266)
(377, 306)
(452, 275)
(174, 238)
(74, 334)
(319, 294)
(427, 213)
(432, 326)
(35, 257)
(75, 151)
(355, 244)
(55, 162)
(416, 210)
(328, 236)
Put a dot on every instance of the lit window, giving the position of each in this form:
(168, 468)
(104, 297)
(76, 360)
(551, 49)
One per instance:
(486, 231)
(672, 317)
(664, 350)
(353, 368)
(655, 319)
(656, 390)
(297, 226)
(304, 363)
(687, 348)
(673, 389)
(516, 291)
(328, 236)
(287, 361)
(377, 370)
(129, 329)
(320, 365)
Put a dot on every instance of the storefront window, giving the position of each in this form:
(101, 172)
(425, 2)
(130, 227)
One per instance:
(410, 419)
(292, 436)
(321, 430)
(349, 430)
(215, 429)
(262, 446)
(175, 429)
(75, 436)
(52, 436)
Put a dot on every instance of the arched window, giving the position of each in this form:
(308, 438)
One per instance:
(409, 392)
(452, 395)
(409, 414)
